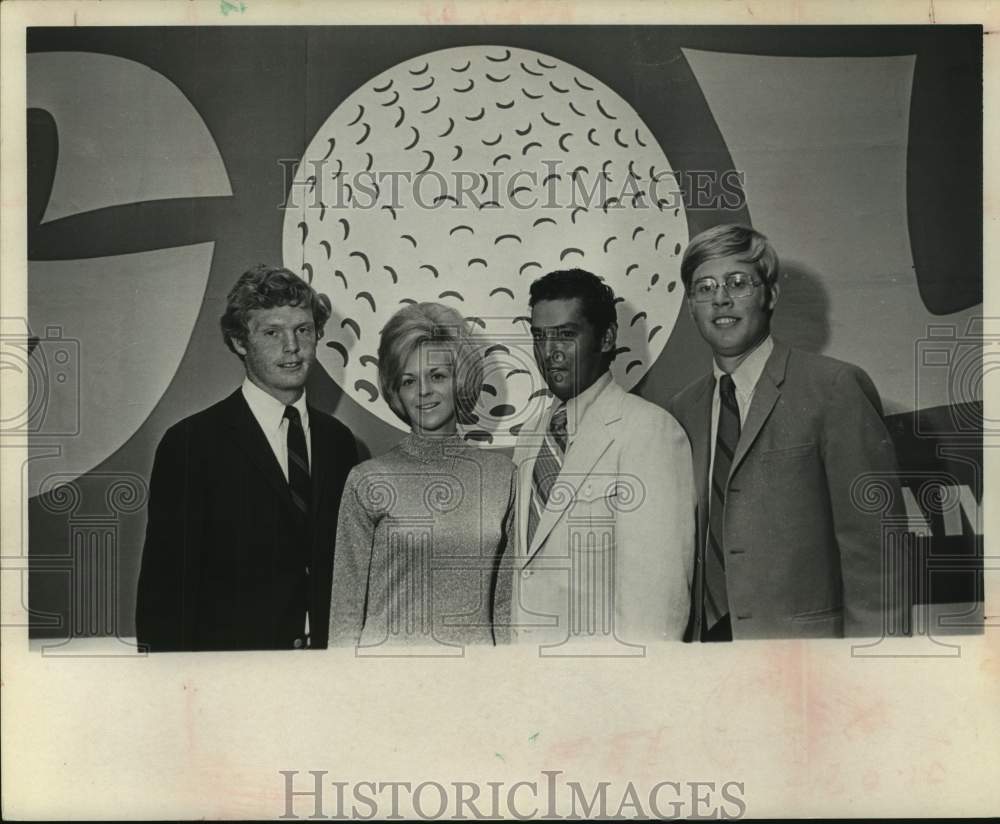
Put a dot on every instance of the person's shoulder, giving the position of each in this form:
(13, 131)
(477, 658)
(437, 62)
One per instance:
(335, 427)
(359, 473)
(688, 393)
(377, 465)
(813, 367)
(492, 460)
(372, 484)
(636, 408)
(829, 382)
(205, 420)
(646, 423)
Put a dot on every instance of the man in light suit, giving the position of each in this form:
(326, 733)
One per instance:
(784, 442)
(605, 501)
(244, 495)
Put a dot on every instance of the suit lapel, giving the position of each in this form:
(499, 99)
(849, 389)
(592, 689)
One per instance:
(254, 444)
(765, 396)
(319, 439)
(589, 444)
(320, 445)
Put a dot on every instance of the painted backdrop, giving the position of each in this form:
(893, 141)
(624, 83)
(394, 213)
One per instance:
(456, 164)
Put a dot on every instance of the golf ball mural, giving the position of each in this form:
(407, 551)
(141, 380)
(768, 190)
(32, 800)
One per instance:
(459, 177)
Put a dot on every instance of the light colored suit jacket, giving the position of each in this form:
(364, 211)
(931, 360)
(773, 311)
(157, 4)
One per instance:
(803, 540)
(612, 556)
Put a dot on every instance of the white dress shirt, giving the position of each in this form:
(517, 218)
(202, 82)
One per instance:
(270, 414)
(745, 378)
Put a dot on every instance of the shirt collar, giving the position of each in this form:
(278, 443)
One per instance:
(746, 375)
(576, 407)
(268, 410)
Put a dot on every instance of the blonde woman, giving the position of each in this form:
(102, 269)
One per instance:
(421, 528)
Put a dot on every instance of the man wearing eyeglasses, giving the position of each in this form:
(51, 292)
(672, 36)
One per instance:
(779, 436)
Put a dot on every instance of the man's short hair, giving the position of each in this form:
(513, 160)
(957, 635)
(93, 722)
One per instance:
(596, 298)
(421, 323)
(731, 239)
(265, 287)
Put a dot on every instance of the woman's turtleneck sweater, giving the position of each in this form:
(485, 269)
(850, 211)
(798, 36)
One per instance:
(418, 538)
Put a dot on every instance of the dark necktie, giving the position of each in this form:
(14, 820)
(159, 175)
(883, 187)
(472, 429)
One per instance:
(728, 435)
(300, 488)
(547, 466)
(298, 463)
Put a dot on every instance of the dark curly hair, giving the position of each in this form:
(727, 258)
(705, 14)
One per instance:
(265, 287)
(596, 298)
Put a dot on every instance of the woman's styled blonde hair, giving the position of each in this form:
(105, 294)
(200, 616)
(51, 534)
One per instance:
(421, 323)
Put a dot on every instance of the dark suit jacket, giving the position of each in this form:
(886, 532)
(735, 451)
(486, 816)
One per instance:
(804, 554)
(223, 565)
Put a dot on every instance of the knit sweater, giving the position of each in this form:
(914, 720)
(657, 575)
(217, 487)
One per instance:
(419, 536)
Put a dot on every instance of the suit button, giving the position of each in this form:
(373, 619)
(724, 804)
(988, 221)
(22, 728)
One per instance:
(298, 643)
(525, 573)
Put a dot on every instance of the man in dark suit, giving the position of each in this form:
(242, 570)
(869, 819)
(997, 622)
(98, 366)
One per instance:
(244, 495)
(783, 444)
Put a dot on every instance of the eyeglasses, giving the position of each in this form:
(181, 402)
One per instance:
(737, 284)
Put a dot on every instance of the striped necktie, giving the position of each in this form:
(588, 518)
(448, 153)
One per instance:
(547, 467)
(298, 463)
(728, 435)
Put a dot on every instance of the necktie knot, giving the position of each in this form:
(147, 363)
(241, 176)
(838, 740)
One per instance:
(292, 414)
(727, 386)
(727, 392)
(558, 422)
(557, 426)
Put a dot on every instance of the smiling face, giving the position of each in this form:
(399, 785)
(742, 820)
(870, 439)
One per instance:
(427, 390)
(568, 350)
(279, 350)
(733, 327)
